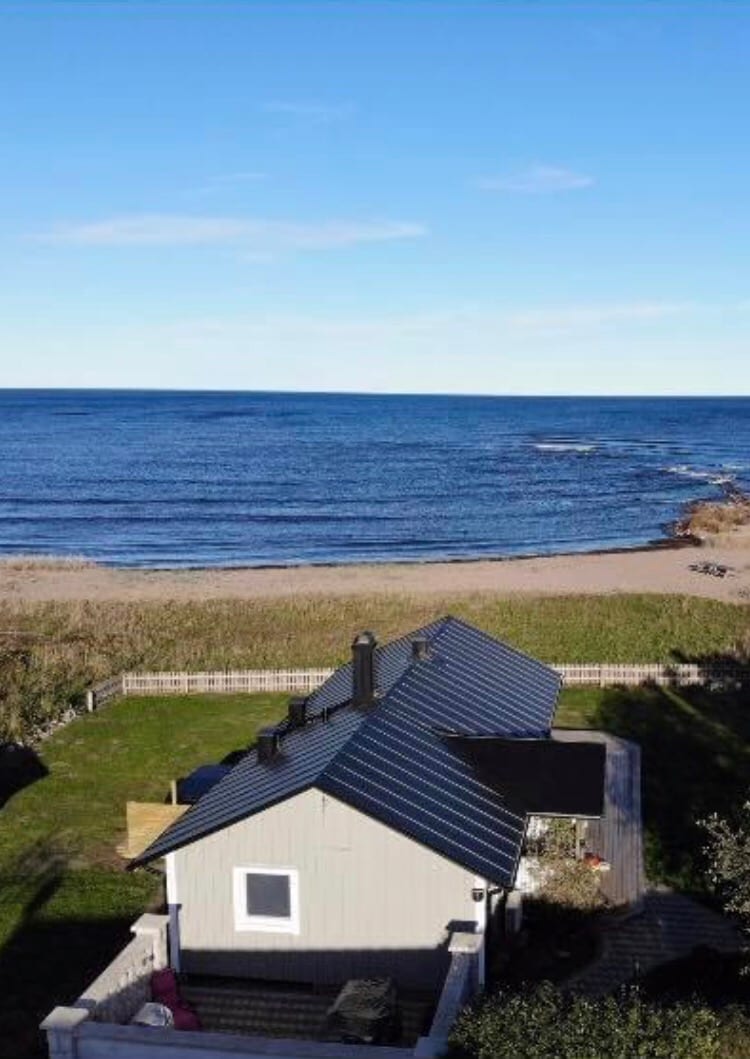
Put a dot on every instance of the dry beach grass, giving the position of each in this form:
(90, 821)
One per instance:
(51, 651)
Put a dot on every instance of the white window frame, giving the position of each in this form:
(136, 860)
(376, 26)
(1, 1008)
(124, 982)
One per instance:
(265, 924)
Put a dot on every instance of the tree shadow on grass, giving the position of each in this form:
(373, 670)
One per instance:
(695, 760)
(20, 766)
(48, 958)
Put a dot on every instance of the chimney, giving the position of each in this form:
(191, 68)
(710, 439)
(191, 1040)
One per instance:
(363, 669)
(268, 744)
(297, 712)
(420, 649)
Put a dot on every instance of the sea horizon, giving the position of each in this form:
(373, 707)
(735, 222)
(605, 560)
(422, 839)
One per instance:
(562, 396)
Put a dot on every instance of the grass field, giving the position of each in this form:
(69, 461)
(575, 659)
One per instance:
(66, 903)
(50, 652)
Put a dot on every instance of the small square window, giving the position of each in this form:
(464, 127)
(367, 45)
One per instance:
(266, 899)
(268, 895)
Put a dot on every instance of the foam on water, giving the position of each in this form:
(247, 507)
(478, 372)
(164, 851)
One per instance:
(720, 477)
(563, 446)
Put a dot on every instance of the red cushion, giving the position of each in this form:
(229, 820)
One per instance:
(185, 1018)
(163, 983)
(165, 990)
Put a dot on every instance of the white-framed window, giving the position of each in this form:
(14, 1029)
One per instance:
(266, 899)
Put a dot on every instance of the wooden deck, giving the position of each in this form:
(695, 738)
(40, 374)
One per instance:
(618, 836)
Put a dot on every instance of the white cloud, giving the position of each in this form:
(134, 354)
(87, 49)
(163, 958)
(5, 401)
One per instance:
(467, 329)
(537, 180)
(227, 182)
(242, 177)
(310, 110)
(252, 235)
(574, 317)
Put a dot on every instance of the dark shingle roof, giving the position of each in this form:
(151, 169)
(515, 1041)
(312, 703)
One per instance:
(390, 761)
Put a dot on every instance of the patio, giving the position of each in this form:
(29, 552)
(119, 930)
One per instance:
(280, 1010)
(243, 1017)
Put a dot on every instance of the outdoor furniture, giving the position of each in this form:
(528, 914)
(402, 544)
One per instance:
(364, 1012)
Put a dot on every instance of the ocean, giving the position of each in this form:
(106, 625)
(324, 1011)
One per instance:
(178, 479)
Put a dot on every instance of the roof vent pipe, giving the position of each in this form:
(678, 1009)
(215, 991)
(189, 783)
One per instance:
(363, 669)
(297, 712)
(268, 744)
(420, 649)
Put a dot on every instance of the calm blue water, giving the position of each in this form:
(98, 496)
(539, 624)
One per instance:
(204, 479)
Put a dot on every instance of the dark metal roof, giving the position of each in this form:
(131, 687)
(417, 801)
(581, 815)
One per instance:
(405, 776)
(475, 684)
(390, 760)
(391, 662)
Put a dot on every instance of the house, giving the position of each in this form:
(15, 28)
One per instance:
(385, 815)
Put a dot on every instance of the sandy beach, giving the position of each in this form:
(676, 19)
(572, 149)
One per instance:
(653, 570)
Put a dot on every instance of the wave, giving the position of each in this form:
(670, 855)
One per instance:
(563, 446)
(713, 477)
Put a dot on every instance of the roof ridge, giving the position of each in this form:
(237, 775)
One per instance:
(504, 643)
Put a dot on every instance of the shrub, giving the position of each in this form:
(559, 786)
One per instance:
(544, 1023)
(728, 852)
(561, 878)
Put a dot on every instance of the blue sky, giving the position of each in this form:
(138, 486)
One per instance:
(394, 196)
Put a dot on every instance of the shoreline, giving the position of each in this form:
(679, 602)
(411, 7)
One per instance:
(673, 569)
(41, 562)
(713, 565)
(678, 533)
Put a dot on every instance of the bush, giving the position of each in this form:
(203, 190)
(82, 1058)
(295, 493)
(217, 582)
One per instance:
(544, 1023)
(728, 853)
(561, 878)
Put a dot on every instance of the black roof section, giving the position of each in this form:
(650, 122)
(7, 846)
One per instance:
(539, 776)
(392, 760)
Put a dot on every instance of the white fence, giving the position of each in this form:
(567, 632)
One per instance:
(243, 680)
(217, 682)
(606, 674)
(120, 990)
(71, 1037)
(303, 681)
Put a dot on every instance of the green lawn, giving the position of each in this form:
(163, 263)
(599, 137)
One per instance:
(66, 902)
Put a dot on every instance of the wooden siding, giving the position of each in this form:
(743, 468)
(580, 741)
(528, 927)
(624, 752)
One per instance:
(372, 902)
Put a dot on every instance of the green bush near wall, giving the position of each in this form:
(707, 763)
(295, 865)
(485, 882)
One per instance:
(543, 1023)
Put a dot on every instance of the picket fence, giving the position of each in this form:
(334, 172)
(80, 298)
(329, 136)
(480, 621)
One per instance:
(303, 681)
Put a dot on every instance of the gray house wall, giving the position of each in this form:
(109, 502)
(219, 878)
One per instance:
(371, 901)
